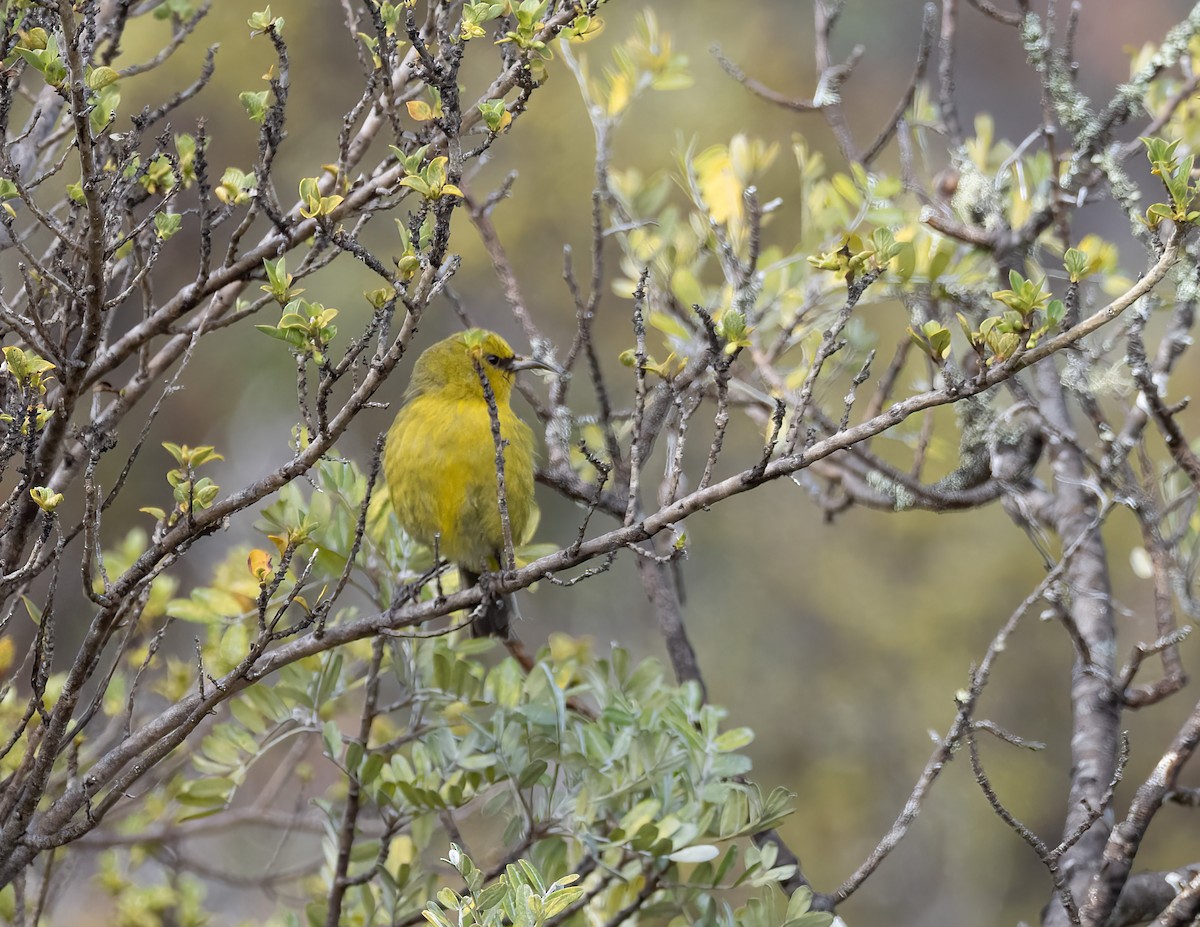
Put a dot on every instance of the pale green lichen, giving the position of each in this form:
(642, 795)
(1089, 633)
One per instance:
(1075, 111)
(902, 499)
(975, 197)
(1097, 379)
(1187, 286)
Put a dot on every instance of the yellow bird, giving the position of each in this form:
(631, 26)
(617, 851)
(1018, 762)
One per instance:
(440, 459)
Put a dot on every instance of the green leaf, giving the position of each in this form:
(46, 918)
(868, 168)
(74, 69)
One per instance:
(262, 21)
(492, 896)
(846, 189)
(332, 736)
(206, 792)
(46, 499)
(531, 774)
(354, 755)
(495, 116)
(1076, 264)
(99, 78)
(35, 613)
(166, 224)
(734, 740)
(933, 338)
(247, 715)
(255, 104)
(557, 902)
(434, 915)
(206, 605)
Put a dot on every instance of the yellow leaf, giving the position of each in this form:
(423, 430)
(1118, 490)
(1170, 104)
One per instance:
(259, 564)
(619, 92)
(846, 189)
(419, 110)
(401, 852)
(719, 184)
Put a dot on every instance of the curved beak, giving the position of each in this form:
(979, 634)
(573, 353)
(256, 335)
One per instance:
(532, 363)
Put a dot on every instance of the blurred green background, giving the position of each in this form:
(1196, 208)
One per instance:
(841, 644)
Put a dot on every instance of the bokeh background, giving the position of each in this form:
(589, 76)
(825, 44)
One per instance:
(842, 644)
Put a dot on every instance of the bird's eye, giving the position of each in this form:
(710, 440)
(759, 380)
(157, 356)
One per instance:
(493, 359)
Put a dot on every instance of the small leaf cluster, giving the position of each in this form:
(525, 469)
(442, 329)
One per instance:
(644, 61)
(46, 499)
(314, 203)
(279, 282)
(141, 900)
(157, 176)
(390, 15)
(262, 21)
(40, 50)
(429, 177)
(733, 331)
(28, 369)
(104, 96)
(323, 524)
(933, 338)
(175, 9)
(191, 494)
(475, 14)
(1031, 313)
(167, 224)
(667, 369)
(32, 373)
(518, 895)
(254, 102)
(856, 257)
(408, 262)
(420, 111)
(528, 14)
(431, 181)
(8, 190)
(495, 116)
(583, 28)
(236, 186)
(307, 326)
(1177, 176)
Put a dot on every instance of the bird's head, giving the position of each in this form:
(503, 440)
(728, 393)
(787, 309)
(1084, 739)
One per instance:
(453, 365)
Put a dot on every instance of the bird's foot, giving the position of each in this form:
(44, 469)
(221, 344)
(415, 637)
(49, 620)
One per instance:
(490, 584)
(494, 613)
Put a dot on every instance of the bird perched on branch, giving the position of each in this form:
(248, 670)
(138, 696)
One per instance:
(441, 462)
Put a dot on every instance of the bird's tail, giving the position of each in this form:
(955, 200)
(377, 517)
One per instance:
(498, 612)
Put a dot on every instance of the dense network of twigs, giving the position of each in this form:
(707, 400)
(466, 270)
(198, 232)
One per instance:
(128, 701)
